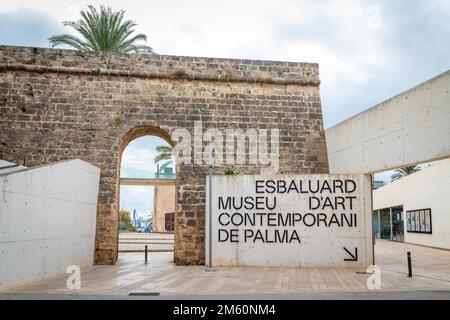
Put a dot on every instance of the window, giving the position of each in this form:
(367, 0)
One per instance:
(419, 221)
(169, 221)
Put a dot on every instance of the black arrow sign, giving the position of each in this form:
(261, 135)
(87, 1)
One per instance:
(354, 256)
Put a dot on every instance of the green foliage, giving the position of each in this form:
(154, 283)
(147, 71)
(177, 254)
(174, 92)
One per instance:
(180, 73)
(118, 119)
(125, 221)
(229, 171)
(104, 30)
(164, 153)
(164, 166)
(403, 172)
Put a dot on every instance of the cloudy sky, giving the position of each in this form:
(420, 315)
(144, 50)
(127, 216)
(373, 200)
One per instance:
(368, 51)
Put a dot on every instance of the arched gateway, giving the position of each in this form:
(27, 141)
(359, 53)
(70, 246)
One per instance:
(65, 104)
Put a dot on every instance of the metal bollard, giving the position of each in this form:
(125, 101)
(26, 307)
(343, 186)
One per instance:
(409, 265)
(146, 251)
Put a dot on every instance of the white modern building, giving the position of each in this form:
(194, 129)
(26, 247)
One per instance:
(416, 208)
(408, 129)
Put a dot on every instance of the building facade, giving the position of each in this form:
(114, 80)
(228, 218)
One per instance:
(163, 208)
(416, 208)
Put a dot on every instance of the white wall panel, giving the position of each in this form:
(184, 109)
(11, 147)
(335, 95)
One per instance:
(411, 128)
(47, 220)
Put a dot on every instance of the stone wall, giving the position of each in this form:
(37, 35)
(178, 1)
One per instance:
(163, 202)
(65, 104)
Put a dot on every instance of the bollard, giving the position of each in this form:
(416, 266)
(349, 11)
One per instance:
(409, 265)
(146, 251)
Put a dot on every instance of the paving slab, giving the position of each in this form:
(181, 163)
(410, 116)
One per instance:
(431, 268)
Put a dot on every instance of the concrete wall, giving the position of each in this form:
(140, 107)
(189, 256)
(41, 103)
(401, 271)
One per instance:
(411, 128)
(6, 167)
(47, 220)
(163, 202)
(428, 188)
(320, 243)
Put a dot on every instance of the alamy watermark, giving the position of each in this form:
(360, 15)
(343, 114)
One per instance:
(228, 147)
(373, 17)
(73, 281)
(374, 281)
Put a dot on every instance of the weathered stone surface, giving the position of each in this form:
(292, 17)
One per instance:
(65, 104)
(163, 203)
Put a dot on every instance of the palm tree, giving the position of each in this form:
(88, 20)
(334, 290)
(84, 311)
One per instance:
(165, 153)
(102, 31)
(402, 172)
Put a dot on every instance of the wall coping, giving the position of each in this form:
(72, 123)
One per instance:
(154, 66)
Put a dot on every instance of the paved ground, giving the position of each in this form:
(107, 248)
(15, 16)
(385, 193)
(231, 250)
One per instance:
(427, 263)
(431, 279)
(136, 242)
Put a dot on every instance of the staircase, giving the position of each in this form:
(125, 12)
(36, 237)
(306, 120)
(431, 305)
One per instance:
(136, 242)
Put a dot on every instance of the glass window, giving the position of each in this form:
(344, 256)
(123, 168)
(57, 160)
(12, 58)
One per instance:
(427, 220)
(422, 221)
(408, 221)
(385, 224)
(419, 221)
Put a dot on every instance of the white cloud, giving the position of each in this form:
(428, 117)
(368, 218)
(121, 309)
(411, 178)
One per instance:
(139, 155)
(139, 198)
(367, 50)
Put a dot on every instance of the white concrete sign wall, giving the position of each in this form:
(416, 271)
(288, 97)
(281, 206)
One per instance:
(47, 221)
(290, 220)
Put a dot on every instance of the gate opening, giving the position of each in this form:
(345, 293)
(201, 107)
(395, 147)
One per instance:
(147, 193)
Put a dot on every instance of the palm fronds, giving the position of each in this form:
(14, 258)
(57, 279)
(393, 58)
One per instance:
(402, 172)
(105, 31)
(165, 153)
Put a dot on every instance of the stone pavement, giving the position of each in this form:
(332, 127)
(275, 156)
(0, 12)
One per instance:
(427, 263)
(431, 269)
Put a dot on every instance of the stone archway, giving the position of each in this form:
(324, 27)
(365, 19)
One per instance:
(67, 104)
(135, 133)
